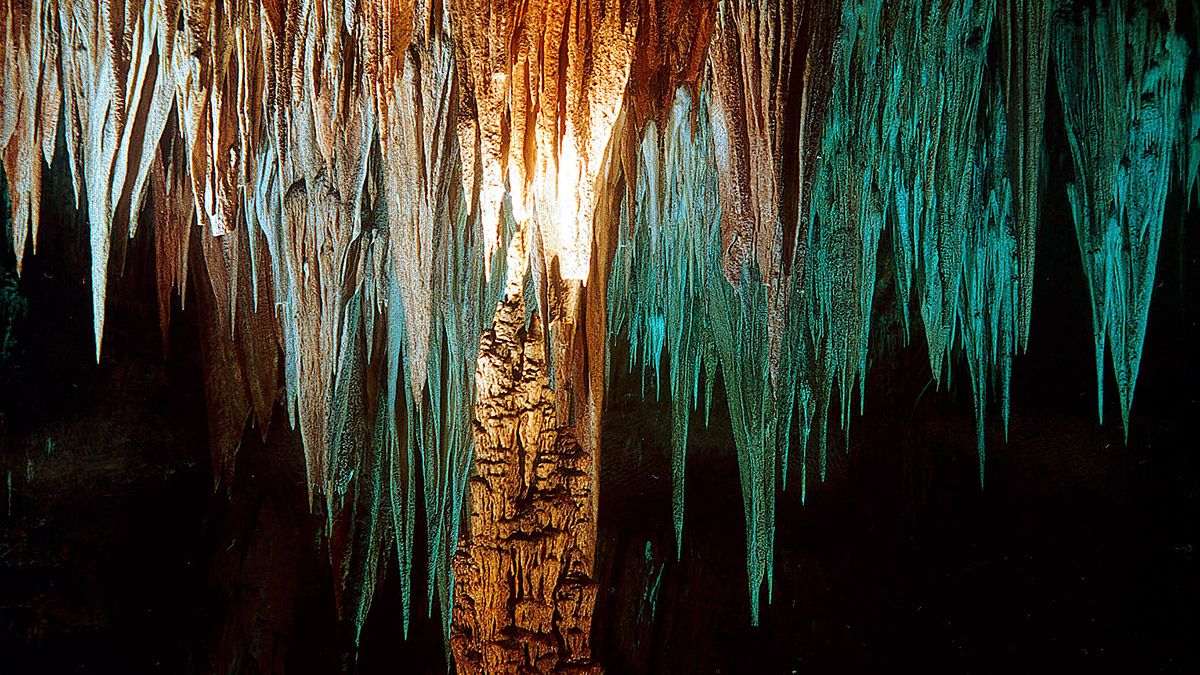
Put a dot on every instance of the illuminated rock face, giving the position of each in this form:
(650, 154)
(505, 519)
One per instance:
(418, 225)
(529, 569)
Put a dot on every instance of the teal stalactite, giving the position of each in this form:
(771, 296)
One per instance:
(1120, 77)
(1024, 54)
(990, 297)
(851, 207)
(661, 272)
(941, 50)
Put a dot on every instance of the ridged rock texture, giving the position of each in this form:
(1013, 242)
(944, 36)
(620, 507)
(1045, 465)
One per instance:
(419, 225)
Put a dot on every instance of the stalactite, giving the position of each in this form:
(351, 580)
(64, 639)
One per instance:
(1120, 76)
(544, 113)
(661, 272)
(669, 62)
(770, 88)
(739, 328)
(173, 221)
(1190, 151)
(853, 198)
(945, 51)
(670, 51)
(771, 83)
(990, 299)
(239, 345)
(1025, 51)
(670, 296)
(29, 78)
(770, 64)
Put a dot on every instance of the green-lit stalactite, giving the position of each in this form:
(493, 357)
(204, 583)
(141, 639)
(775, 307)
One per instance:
(853, 198)
(1024, 56)
(988, 309)
(738, 317)
(662, 268)
(1190, 155)
(668, 294)
(941, 49)
(1120, 77)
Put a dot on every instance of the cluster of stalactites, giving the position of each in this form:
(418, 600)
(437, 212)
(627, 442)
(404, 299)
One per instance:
(545, 83)
(669, 295)
(341, 181)
(952, 169)
(331, 176)
(303, 168)
(1120, 72)
(933, 165)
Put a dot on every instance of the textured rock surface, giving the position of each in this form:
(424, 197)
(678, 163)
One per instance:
(525, 583)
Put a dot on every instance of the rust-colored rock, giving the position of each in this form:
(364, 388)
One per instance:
(670, 51)
(771, 65)
(771, 82)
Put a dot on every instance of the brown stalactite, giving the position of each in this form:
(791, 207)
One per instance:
(29, 78)
(670, 51)
(173, 218)
(771, 66)
(239, 346)
(524, 585)
(771, 80)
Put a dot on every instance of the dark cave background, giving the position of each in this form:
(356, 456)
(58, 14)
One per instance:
(118, 556)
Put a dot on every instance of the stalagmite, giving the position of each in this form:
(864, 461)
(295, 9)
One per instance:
(528, 572)
(545, 84)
